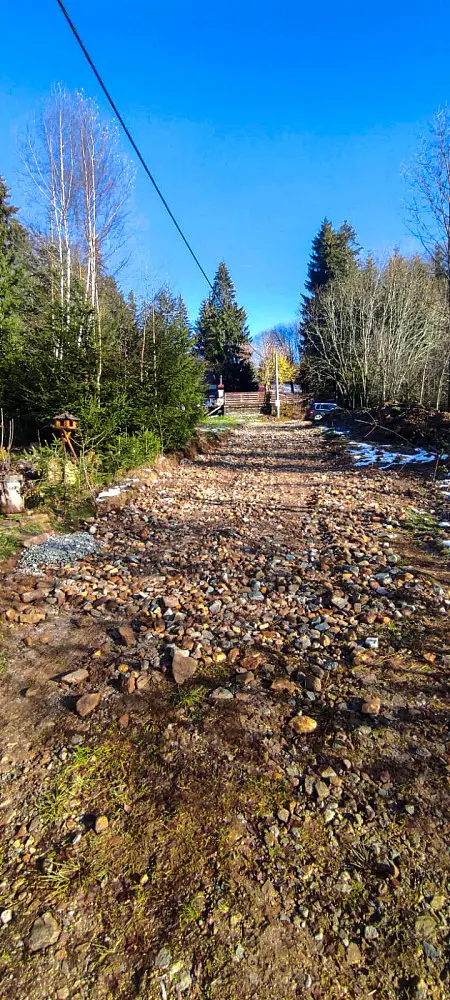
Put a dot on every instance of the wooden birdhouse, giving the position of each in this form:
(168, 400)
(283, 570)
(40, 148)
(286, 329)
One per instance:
(65, 421)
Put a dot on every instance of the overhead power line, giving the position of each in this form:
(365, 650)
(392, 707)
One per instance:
(130, 138)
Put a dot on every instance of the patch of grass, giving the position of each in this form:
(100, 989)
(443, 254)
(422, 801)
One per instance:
(77, 775)
(189, 698)
(58, 881)
(191, 911)
(229, 423)
(421, 523)
(16, 529)
(3, 663)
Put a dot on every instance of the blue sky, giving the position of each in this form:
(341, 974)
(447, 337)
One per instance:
(257, 119)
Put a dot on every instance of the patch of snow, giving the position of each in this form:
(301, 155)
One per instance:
(382, 456)
(112, 492)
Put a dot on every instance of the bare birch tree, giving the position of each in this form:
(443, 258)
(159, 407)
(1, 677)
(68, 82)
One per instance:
(49, 155)
(74, 161)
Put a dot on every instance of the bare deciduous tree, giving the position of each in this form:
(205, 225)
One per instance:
(378, 335)
(429, 176)
(429, 209)
(49, 155)
(73, 159)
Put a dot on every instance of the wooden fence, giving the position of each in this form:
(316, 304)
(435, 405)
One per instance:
(245, 402)
(258, 402)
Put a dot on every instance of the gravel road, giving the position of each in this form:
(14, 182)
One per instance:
(226, 756)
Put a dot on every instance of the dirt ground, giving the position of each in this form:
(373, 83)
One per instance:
(276, 826)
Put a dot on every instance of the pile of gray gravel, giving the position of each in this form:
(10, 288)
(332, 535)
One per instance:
(59, 550)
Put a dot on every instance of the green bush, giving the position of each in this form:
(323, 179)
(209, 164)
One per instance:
(129, 451)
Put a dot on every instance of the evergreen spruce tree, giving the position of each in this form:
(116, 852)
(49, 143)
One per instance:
(334, 254)
(169, 387)
(14, 288)
(12, 237)
(223, 339)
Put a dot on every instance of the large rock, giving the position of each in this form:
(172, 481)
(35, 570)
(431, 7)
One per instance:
(44, 932)
(183, 667)
(101, 824)
(126, 635)
(303, 724)
(76, 676)
(87, 703)
(371, 705)
(282, 685)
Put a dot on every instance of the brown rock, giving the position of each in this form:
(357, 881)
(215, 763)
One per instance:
(251, 661)
(31, 617)
(353, 954)
(170, 603)
(101, 824)
(313, 683)
(127, 683)
(29, 596)
(76, 676)
(371, 705)
(126, 635)
(282, 684)
(183, 667)
(37, 539)
(124, 720)
(143, 682)
(87, 703)
(303, 724)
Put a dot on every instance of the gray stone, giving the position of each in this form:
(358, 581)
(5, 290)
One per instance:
(221, 694)
(163, 959)
(44, 932)
(339, 602)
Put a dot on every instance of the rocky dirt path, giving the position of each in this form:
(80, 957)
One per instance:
(242, 792)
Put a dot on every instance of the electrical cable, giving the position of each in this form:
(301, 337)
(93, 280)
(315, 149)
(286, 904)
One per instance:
(130, 138)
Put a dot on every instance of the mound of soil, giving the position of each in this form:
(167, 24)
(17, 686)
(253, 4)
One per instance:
(393, 422)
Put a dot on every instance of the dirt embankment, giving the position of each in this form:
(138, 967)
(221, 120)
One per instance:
(395, 424)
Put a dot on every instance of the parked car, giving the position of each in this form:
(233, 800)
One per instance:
(317, 411)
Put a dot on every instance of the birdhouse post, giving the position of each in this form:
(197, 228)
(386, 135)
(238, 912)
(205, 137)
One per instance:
(65, 423)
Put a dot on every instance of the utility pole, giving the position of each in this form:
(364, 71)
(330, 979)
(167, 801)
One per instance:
(277, 387)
